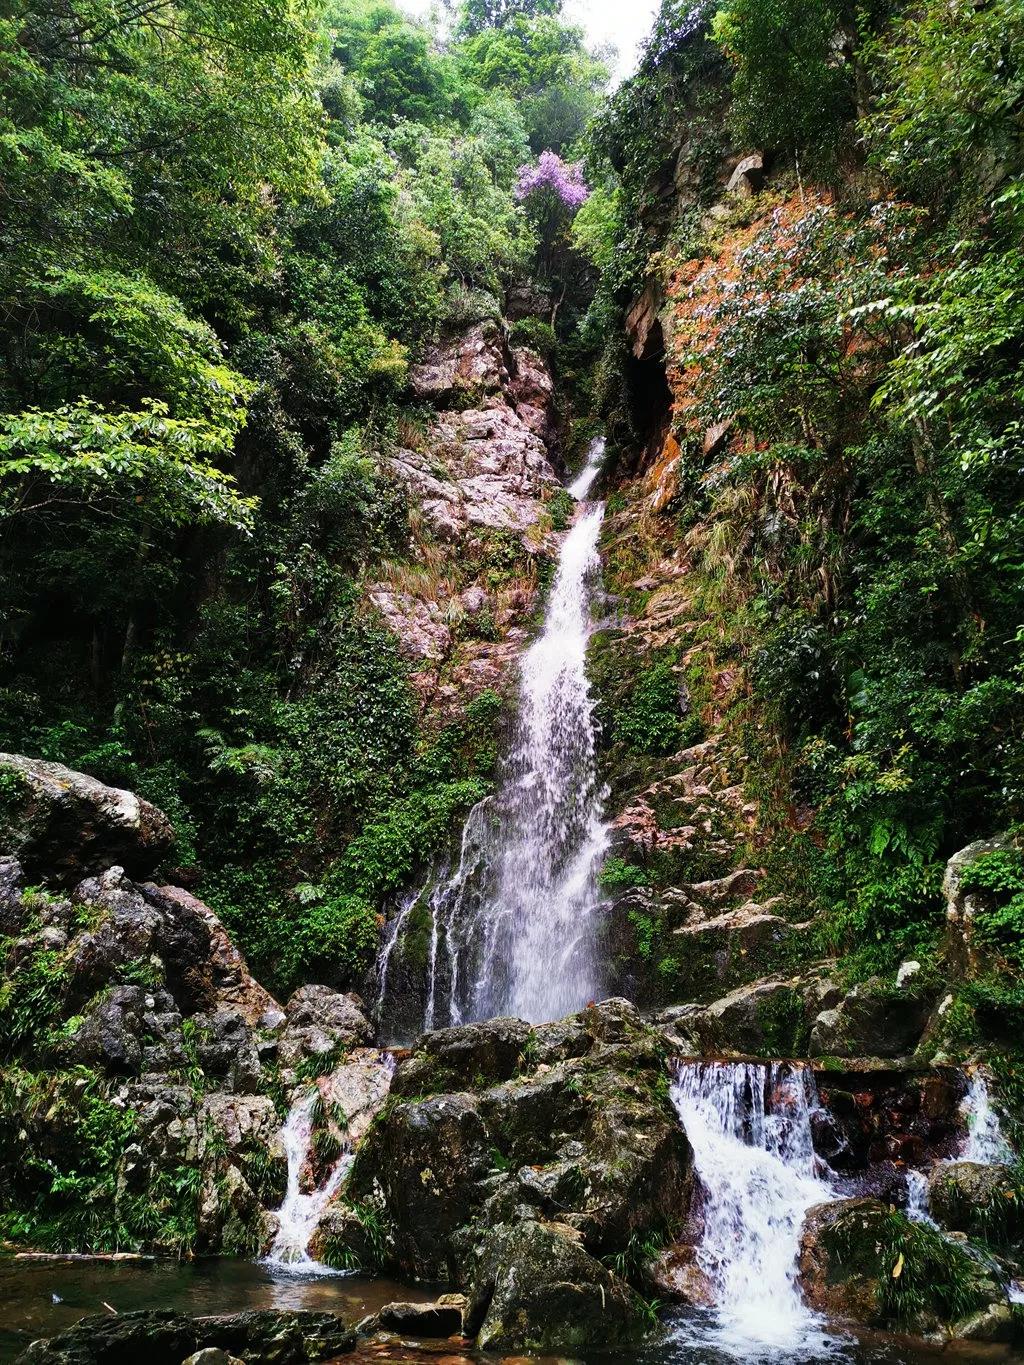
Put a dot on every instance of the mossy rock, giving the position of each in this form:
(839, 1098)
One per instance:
(985, 1201)
(864, 1261)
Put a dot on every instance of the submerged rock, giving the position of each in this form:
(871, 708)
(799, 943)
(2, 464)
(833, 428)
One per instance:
(62, 825)
(438, 1319)
(263, 1337)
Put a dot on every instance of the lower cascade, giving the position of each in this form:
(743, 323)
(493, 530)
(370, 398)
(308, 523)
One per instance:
(512, 927)
(302, 1209)
(985, 1142)
(749, 1125)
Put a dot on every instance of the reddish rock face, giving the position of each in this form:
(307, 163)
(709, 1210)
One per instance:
(676, 1276)
(889, 1115)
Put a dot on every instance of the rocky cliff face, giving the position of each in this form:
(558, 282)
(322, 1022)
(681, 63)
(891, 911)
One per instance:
(144, 1070)
(479, 472)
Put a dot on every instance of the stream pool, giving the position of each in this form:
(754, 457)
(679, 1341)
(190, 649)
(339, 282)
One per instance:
(42, 1298)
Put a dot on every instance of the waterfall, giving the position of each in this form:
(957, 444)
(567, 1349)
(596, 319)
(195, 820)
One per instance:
(749, 1125)
(918, 1210)
(512, 926)
(302, 1209)
(985, 1142)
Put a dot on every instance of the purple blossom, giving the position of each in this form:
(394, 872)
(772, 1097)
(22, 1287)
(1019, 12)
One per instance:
(563, 178)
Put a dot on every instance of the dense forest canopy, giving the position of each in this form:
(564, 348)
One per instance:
(227, 233)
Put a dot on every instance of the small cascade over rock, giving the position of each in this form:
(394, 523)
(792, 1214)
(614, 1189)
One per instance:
(985, 1142)
(512, 927)
(749, 1125)
(302, 1209)
(340, 1106)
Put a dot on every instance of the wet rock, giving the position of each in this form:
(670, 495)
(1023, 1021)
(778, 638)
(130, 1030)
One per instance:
(345, 1239)
(993, 1323)
(469, 1056)
(422, 1319)
(765, 1018)
(873, 1021)
(264, 1337)
(966, 1196)
(536, 1289)
(581, 1132)
(676, 1277)
(212, 1355)
(843, 1286)
(62, 825)
(644, 325)
(319, 1021)
(425, 1163)
(356, 1091)
(857, 1256)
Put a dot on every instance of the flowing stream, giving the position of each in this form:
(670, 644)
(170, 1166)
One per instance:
(512, 926)
(749, 1125)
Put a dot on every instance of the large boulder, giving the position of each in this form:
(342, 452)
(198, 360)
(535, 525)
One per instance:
(264, 1337)
(123, 1001)
(863, 1261)
(500, 1124)
(873, 1020)
(473, 363)
(536, 1289)
(320, 1023)
(62, 825)
(966, 956)
(983, 1200)
(468, 1057)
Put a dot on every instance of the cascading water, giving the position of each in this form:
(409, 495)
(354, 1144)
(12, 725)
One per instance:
(511, 929)
(985, 1142)
(918, 1210)
(749, 1125)
(302, 1209)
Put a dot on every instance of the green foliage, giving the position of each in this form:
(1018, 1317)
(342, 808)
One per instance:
(938, 1277)
(790, 88)
(651, 722)
(997, 878)
(67, 1195)
(945, 123)
(618, 875)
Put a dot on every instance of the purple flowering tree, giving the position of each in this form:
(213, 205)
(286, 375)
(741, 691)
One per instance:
(553, 178)
(552, 192)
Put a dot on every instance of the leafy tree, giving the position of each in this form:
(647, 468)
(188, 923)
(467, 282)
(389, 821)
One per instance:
(476, 15)
(791, 88)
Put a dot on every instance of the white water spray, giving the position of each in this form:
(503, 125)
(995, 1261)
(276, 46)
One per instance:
(918, 1209)
(512, 927)
(985, 1142)
(749, 1125)
(302, 1209)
